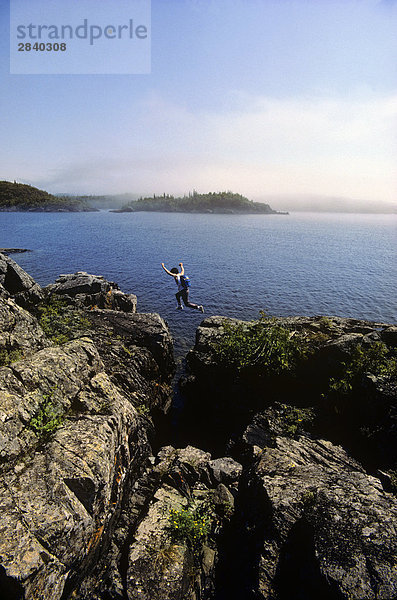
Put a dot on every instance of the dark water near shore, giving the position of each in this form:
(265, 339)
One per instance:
(300, 264)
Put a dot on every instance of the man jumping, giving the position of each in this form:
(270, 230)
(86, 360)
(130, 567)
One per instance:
(183, 287)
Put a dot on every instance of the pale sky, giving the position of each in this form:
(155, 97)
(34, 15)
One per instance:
(262, 97)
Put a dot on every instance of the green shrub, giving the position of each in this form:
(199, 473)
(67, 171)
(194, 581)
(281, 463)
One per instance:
(263, 344)
(295, 419)
(326, 322)
(60, 322)
(47, 419)
(143, 410)
(9, 356)
(308, 498)
(375, 360)
(190, 525)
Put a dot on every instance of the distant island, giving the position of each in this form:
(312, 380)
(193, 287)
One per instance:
(27, 198)
(213, 202)
(22, 197)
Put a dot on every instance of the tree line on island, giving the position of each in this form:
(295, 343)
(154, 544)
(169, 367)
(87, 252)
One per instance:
(22, 197)
(212, 202)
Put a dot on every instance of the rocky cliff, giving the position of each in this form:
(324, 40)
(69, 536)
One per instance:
(310, 520)
(275, 483)
(87, 510)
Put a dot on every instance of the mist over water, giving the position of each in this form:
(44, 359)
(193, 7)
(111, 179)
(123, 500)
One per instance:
(300, 264)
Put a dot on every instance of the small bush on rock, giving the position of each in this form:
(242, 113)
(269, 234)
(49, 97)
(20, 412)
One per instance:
(47, 419)
(190, 525)
(374, 360)
(9, 356)
(263, 344)
(60, 322)
(296, 419)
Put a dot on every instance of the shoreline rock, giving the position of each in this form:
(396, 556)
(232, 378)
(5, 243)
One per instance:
(93, 291)
(215, 211)
(328, 528)
(16, 283)
(13, 250)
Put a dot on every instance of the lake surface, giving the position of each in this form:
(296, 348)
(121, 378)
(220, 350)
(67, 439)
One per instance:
(299, 264)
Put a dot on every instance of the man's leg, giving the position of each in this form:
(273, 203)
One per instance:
(178, 299)
(185, 298)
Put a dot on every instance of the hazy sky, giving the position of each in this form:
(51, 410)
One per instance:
(262, 97)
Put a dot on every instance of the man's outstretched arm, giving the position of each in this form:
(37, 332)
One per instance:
(167, 271)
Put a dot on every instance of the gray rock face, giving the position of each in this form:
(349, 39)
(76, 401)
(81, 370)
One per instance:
(20, 333)
(163, 563)
(72, 444)
(62, 470)
(225, 470)
(18, 284)
(325, 520)
(167, 534)
(144, 330)
(137, 351)
(94, 291)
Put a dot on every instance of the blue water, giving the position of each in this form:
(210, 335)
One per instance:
(300, 264)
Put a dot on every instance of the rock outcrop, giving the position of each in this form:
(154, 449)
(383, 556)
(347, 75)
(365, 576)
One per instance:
(20, 332)
(137, 351)
(310, 520)
(15, 282)
(267, 490)
(69, 439)
(14, 250)
(364, 421)
(331, 339)
(93, 291)
(326, 528)
(167, 536)
(73, 439)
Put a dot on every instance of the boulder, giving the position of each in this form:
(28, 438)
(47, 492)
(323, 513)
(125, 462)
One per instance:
(137, 351)
(225, 470)
(18, 284)
(93, 291)
(80, 283)
(328, 529)
(389, 336)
